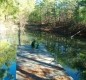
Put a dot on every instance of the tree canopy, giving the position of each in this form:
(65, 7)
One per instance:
(55, 13)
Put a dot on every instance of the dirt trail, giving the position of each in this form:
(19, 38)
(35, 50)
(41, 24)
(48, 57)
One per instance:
(38, 64)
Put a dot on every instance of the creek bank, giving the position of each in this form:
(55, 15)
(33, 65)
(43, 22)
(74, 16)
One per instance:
(65, 31)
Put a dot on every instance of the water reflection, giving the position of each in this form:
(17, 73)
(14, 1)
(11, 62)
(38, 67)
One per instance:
(8, 71)
(7, 61)
(67, 51)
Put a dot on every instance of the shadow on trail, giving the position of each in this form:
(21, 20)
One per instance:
(30, 74)
(53, 66)
(28, 58)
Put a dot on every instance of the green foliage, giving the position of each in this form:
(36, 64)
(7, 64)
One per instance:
(51, 11)
(8, 7)
(7, 52)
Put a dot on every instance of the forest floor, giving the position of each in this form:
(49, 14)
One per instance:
(38, 64)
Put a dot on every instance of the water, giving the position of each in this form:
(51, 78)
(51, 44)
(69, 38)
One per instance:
(7, 61)
(12, 71)
(73, 73)
(8, 73)
(70, 53)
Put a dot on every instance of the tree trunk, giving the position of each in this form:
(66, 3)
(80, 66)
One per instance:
(19, 35)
